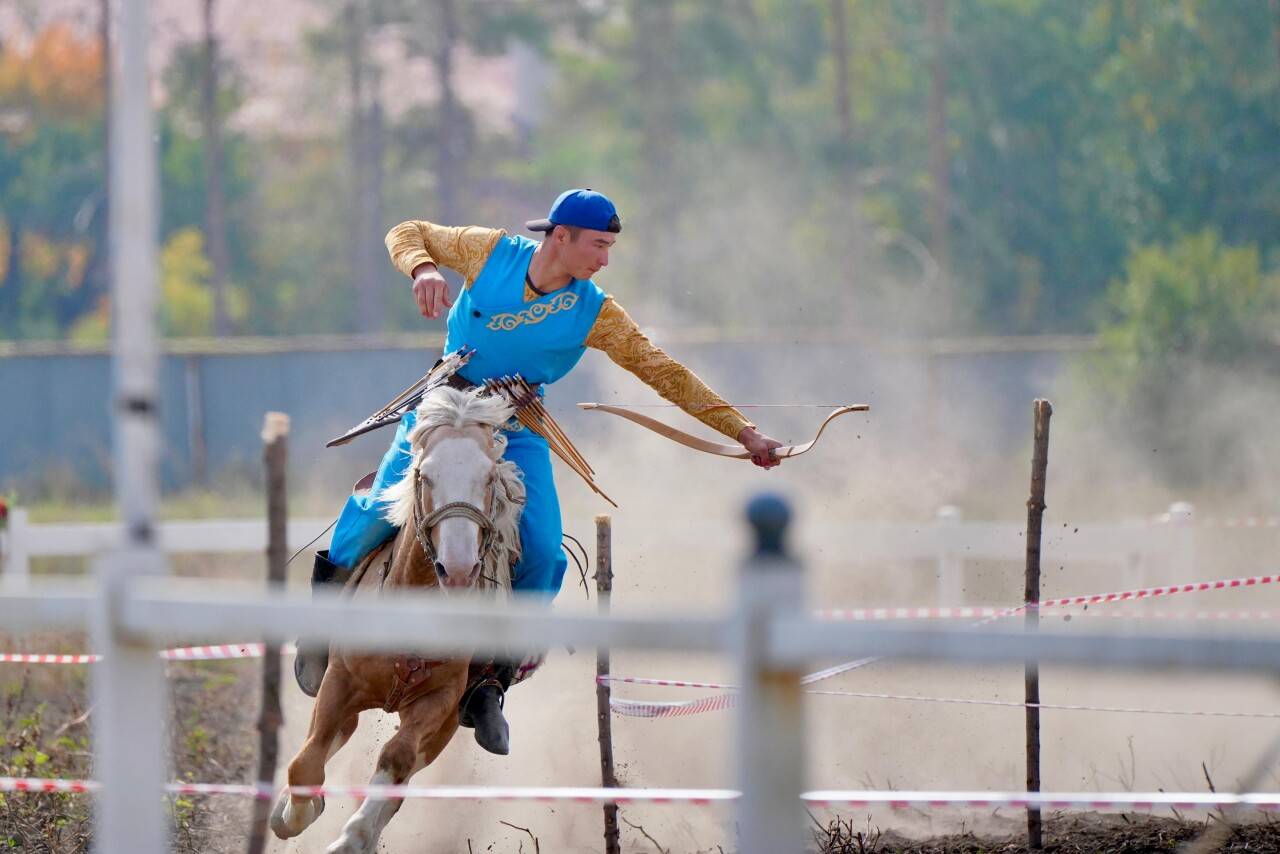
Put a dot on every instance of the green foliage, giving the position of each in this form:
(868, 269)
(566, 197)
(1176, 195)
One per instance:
(1189, 351)
(1076, 129)
(1197, 299)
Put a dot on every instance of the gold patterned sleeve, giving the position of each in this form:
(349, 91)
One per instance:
(462, 248)
(620, 338)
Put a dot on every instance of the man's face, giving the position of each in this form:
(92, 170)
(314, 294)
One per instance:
(586, 255)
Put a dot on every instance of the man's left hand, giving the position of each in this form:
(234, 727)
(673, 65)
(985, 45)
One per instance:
(760, 446)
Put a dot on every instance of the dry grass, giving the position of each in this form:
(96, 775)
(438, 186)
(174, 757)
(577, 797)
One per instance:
(45, 732)
(1076, 834)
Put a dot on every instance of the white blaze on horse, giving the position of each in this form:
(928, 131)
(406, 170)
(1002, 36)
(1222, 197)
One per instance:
(458, 511)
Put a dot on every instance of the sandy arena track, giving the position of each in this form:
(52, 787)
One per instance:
(676, 549)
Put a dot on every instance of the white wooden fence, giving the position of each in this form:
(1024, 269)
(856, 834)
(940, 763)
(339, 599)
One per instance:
(768, 632)
(23, 541)
(948, 539)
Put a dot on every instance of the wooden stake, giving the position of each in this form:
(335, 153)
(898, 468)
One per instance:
(275, 453)
(1035, 518)
(604, 717)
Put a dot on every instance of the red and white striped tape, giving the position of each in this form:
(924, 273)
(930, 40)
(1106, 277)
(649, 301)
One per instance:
(267, 791)
(216, 652)
(868, 615)
(1151, 592)
(718, 686)
(1053, 706)
(46, 658)
(672, 709)
(1239, 522)
(822, 798)
(1129, 801)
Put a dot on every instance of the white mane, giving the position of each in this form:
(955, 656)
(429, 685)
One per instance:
(449, 407)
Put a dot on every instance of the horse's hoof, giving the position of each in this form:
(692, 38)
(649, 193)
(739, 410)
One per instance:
(350, 844)
(288, 821)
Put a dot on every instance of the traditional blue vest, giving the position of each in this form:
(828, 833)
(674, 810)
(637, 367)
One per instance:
(540, 340)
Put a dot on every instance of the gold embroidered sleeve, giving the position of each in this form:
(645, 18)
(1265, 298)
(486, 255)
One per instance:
(462, 248)
(618, 336)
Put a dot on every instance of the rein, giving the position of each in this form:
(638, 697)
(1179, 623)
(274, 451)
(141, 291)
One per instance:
(422, 526)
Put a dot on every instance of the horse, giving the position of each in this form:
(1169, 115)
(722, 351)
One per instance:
(457, 509)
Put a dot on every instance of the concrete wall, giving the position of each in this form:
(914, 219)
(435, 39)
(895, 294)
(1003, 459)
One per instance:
(57, 426)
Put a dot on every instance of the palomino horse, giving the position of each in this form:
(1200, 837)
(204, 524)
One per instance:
(458, 511)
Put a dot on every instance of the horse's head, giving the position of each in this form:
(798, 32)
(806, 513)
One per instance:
(458, 494)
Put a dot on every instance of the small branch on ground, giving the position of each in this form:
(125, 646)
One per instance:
(645, 833)
(537, 849)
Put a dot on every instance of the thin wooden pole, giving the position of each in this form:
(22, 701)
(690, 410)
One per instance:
(275, 453)
(1035, 518)
(604, 717)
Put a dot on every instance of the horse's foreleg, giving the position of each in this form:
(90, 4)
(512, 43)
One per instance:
(333, 721)
(425, 728)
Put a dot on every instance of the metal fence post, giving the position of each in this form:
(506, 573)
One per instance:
(13, 549)
(950, 561)
(770, 736)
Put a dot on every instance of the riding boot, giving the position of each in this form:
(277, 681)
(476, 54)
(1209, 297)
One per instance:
(312, 658)
(481, 708)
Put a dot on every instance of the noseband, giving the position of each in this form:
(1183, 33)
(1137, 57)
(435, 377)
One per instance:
(422, 526)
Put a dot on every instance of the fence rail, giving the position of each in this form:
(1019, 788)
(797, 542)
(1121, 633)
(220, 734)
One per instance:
(948, 540)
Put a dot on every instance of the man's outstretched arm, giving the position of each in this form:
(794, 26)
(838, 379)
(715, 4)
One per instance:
(417, 247)
(620, 338)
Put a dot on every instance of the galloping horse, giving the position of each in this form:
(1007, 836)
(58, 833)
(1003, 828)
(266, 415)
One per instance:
(458, 510)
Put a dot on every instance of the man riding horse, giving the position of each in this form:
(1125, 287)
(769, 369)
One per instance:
(528, 309)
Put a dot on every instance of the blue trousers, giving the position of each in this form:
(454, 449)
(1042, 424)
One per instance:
(361, 527)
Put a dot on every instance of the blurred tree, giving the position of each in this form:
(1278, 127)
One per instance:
(215, 213)
(207, 172)
(51, 170)
(1188, 326)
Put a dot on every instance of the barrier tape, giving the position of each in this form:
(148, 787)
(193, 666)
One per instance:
(720, 702)
(704, 797)
(1150, 592)
(632, 708)
(1228, 522)
(1053, 706)
(869, 615)
(1136, 801)
(217, 652)
(266, 791)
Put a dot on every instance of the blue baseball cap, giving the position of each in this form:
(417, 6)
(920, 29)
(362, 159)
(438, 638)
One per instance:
(582, 208)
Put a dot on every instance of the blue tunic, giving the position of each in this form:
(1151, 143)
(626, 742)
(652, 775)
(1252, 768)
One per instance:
(541, 341)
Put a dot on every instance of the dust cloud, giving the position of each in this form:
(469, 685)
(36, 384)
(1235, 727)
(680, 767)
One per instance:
(678, 536)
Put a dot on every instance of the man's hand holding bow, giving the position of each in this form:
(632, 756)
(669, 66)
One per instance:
(760, 446)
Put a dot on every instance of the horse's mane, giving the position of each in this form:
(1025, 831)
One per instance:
(449, 407)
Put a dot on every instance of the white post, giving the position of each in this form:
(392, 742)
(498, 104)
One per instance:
(770, 737)
(1182, 540)
(15, 551)
(950, 562)
(128, 686)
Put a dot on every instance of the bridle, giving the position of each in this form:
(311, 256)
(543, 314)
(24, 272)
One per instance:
(422, 526)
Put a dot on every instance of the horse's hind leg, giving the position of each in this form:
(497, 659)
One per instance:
(333, 721)
(425, 728)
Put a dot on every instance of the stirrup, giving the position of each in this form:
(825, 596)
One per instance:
(464, 705)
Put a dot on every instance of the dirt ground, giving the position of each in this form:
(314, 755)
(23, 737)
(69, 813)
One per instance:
(676, 550)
